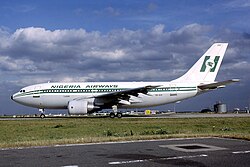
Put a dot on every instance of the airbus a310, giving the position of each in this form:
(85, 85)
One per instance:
(88, 97)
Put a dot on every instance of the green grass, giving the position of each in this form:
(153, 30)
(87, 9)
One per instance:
(36, 132)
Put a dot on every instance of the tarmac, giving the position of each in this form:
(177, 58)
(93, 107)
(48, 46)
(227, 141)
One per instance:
(202, 152)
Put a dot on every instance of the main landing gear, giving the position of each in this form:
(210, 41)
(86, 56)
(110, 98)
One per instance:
(42, 115)
(115, 112)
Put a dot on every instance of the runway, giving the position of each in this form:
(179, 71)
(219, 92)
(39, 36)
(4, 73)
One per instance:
(202, 115)
(168, 115)
(170, 152)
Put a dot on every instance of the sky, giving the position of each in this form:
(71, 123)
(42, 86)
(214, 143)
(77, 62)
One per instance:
(132, 40)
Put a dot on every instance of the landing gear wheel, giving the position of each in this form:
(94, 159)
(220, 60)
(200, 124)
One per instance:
(119, 115)
(112, 115)
(42, 116)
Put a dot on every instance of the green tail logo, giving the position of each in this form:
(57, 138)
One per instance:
(211, 64)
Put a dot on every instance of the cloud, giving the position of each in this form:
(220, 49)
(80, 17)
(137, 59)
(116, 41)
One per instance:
(112, 55)
(78, 11)
(36, 55)
(24, 8)
(8, 64)
(42, 55)
(152, 7)
(158, 29)
(110, 11)
(238, 4)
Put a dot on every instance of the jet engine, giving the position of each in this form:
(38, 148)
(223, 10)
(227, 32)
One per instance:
(79, 107)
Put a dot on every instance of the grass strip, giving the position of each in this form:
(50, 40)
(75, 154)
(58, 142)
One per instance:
(37, 132)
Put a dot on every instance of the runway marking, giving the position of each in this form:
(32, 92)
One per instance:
(156, 159)
(241, 152)
(194, 147)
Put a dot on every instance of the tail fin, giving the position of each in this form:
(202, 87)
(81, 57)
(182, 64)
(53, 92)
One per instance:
(206, 68)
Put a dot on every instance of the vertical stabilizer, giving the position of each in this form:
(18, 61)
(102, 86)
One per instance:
(206, 68)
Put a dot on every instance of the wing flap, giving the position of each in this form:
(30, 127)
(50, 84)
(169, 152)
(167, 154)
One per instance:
(129, 92)
(128, 96)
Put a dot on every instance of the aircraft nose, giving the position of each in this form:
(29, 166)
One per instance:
(11, 97)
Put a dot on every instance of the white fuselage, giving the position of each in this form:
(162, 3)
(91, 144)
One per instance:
(58, 95)
(82, 98)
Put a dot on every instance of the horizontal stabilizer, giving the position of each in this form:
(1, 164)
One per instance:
(217, 85)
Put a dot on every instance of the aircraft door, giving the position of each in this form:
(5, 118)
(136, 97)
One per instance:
(37, 96)
(37, 92)
(173, 90)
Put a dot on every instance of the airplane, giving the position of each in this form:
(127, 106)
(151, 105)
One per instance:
(87, 97)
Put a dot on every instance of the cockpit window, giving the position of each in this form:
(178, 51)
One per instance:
(22, 90)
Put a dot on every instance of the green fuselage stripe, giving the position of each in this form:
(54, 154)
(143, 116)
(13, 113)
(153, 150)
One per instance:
(103, 90)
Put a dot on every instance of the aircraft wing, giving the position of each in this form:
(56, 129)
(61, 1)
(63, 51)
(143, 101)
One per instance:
(126, 97)
(133, 92)
(216, 85)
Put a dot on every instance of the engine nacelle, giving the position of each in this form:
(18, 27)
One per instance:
(79, 107)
